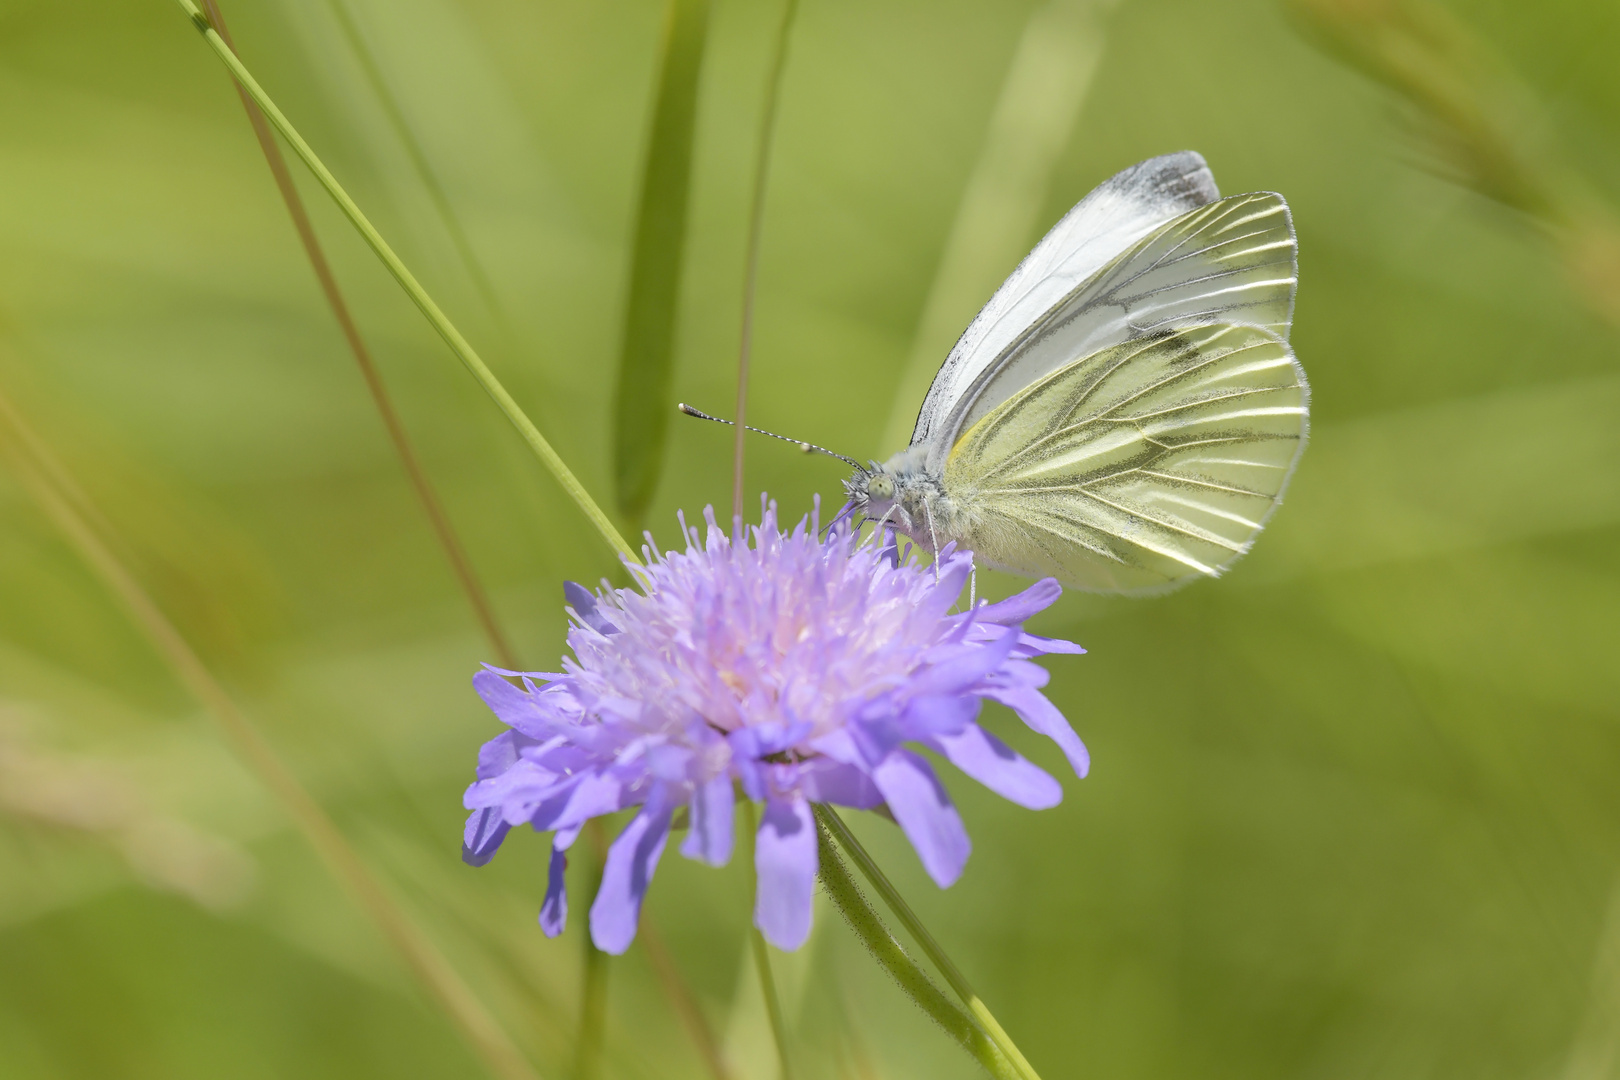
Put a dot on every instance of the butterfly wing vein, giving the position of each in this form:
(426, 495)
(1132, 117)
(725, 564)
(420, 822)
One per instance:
(1139, 465)
(1191, 270)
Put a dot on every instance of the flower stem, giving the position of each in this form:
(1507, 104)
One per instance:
(61, 500)
(756, 228)
(407, 281)
(593, 980)
(908, 918)
(892, 957)
(454, 552)
(592, 1013)
(773, 1001)
(762, 964)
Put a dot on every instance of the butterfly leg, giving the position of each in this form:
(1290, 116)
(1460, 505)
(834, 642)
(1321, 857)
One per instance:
(883, 523)
(973, 588)
(928, 512)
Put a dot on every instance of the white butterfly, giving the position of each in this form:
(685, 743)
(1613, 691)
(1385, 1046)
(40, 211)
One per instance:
(1125, 412)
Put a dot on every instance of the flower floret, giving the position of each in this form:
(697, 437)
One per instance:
(792, 670)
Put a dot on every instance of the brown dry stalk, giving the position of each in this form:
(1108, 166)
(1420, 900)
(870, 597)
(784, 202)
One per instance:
(685, 1002)
(460, 564)
(424, 169)
(756, 232)
(37, 469)
(1483, 124)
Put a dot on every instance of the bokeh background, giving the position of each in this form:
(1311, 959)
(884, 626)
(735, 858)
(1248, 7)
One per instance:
(1354, 809)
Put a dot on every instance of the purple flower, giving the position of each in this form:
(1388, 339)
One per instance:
(801, 670)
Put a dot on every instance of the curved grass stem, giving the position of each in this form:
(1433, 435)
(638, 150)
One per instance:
(834, 824)
(430, 310)
(846, 896)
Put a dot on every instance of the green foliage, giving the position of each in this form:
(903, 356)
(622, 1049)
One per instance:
(642, 402)
(1352, 811)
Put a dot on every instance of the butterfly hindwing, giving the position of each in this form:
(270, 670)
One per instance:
(1140, 466)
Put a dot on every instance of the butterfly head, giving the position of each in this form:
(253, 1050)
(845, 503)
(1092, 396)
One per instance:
(893, 493)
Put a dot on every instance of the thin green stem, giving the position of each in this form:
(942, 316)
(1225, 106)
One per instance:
(756, 230)
(424, 168)
(846, 896)
(593, 979)
(454, 552)
(592, 1014)
(407, 281)
(919, 933)
(762, 965)
(52, 488)
(773, 1001)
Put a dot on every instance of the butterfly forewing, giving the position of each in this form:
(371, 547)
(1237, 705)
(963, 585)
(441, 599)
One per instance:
(1119, 212)
(1232, 261)
(1139, 466)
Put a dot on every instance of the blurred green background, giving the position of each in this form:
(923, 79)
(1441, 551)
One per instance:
(1353, 811)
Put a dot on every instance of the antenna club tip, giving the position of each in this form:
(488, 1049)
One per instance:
(699, 413)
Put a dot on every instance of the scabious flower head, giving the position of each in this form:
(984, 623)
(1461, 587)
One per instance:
(799, 669)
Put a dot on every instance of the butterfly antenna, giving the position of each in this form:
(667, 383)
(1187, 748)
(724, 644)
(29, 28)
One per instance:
(809, 448)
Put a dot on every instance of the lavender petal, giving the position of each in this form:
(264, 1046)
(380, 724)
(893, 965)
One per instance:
(500, 754)
(925, 813)
(1042, 716)
(938, 714)
(554, 911)
(844, 785)
(710, 836)
(785, 865)
(593, 795)
(953, 578)
(584, 604)
(625, 878)
(515, 708)
(954, 668)
(483, 835)
(1020, 606)
(998, 767)
(1034, 645)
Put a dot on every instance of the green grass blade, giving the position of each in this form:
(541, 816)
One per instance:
(642, 403)
(455, 551)
(424, 303)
